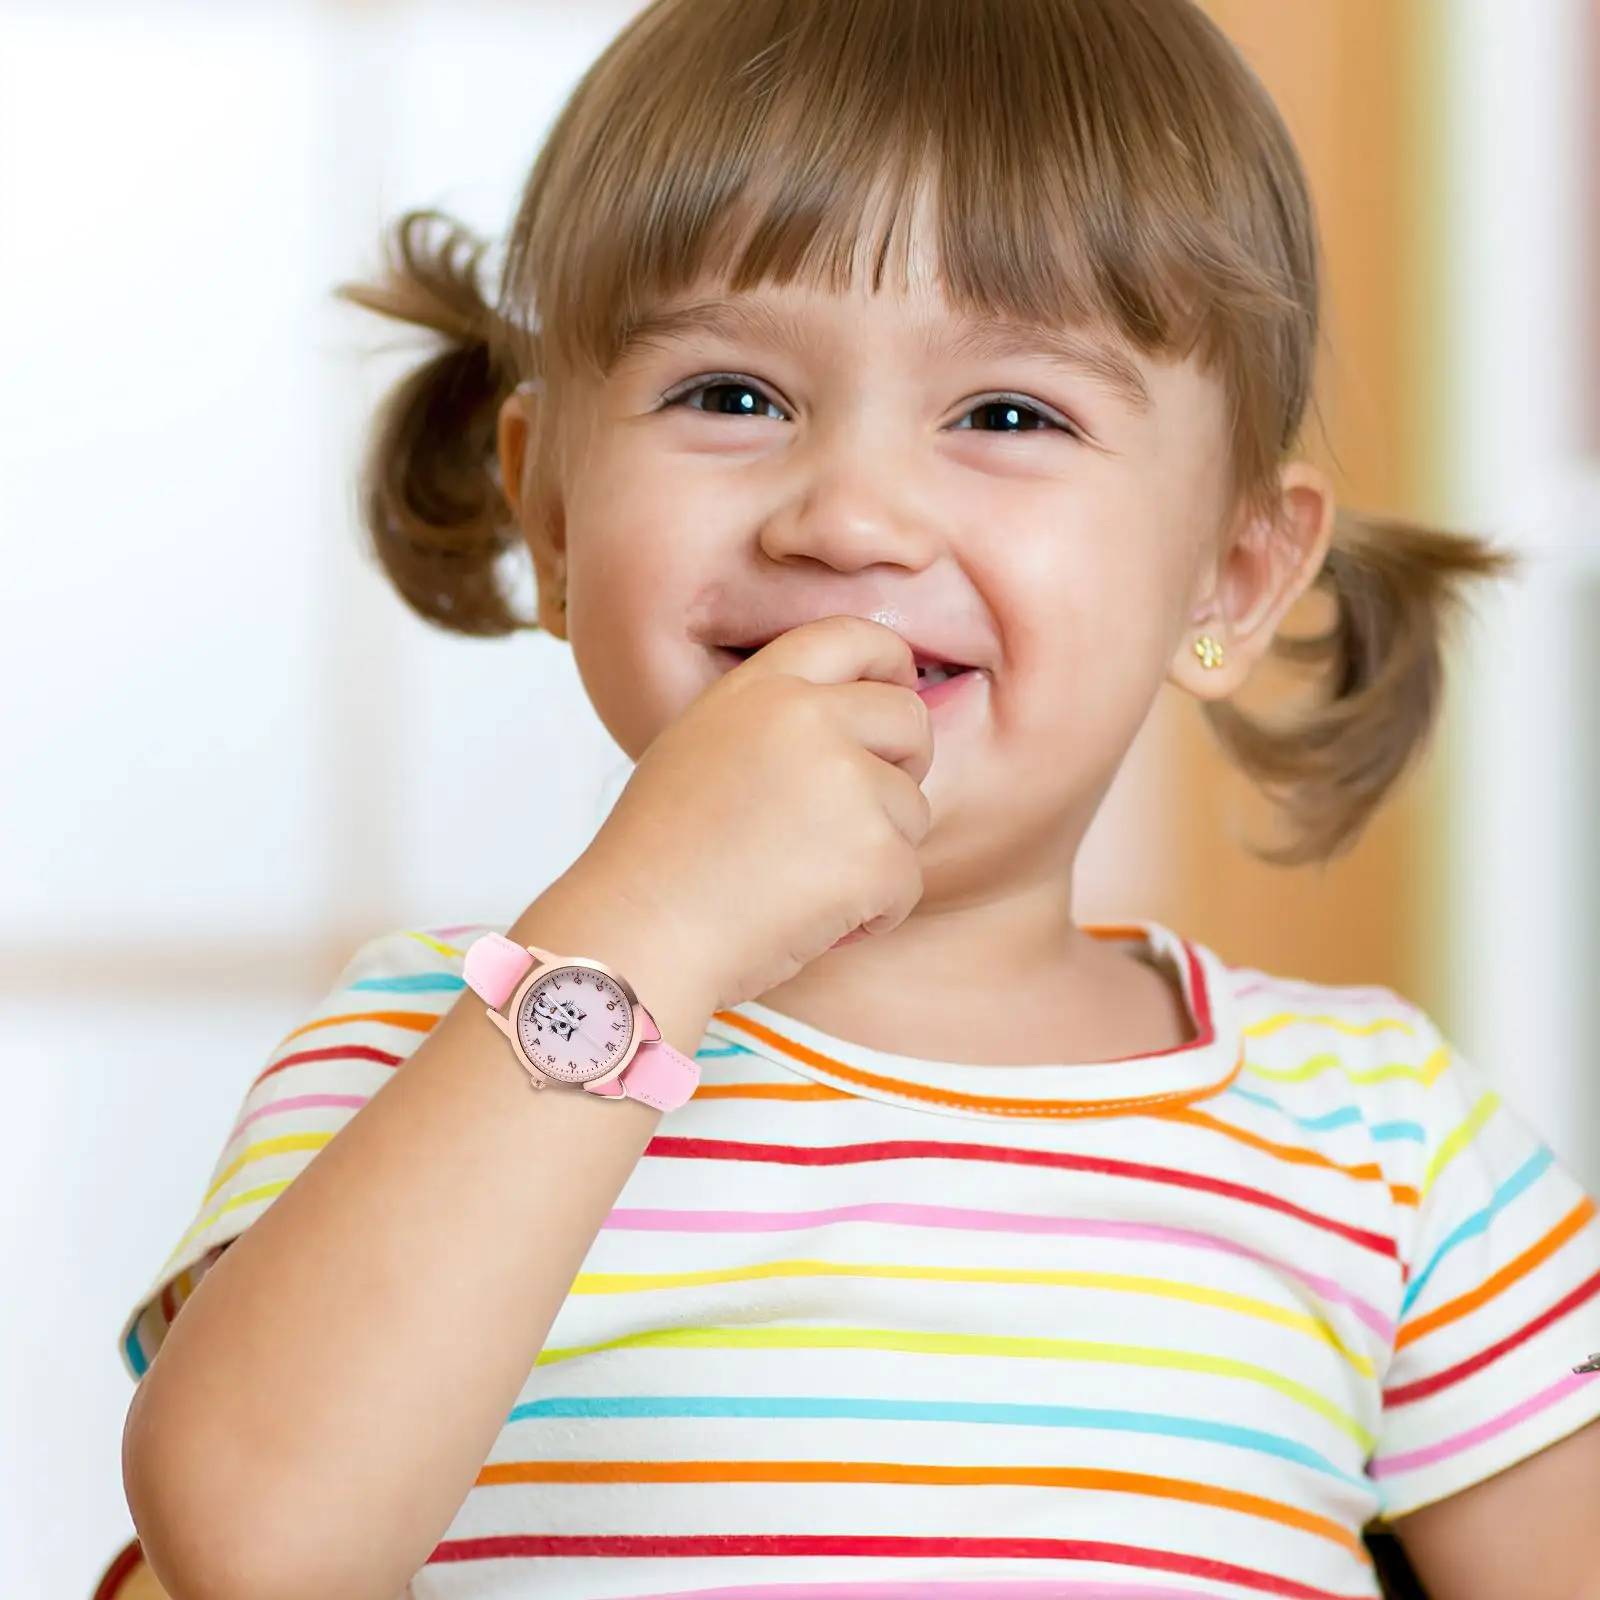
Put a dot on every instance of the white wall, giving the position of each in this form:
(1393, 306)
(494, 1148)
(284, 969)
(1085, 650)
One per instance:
(1524, 285)
(224, 750)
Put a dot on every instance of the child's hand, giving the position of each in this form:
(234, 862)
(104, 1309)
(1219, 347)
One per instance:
(781, 812)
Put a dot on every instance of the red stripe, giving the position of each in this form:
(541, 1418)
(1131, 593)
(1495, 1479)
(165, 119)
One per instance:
(529, 1546)
(674, 1148)
(1423, 1387)
(1199, 1010)
(334, 1052)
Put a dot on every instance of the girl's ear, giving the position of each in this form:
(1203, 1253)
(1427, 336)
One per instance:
(1273, 557)
(535, 504)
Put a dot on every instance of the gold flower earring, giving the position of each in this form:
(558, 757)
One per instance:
(1210, 651)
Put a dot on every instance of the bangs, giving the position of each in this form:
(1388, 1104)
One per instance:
(1109, 163)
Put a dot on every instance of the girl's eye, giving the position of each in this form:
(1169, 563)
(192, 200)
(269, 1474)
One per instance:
(728, 397)
(1010, 416)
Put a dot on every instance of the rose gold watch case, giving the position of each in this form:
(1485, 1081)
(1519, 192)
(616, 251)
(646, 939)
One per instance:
(541, 968)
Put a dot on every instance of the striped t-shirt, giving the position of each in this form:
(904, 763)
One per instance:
(862, 1325)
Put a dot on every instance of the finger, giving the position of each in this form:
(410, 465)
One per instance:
(906, 897)
(889, 721)
(905, 805)
(839, 650)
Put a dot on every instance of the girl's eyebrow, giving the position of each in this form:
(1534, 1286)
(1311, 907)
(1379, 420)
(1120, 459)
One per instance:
(725, 319)
(1000, 340)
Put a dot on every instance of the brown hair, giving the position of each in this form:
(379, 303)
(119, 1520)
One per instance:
(1108, 162)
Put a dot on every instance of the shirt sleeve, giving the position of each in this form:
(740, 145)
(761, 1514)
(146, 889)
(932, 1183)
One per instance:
(384, 1005)
(1501, 1302)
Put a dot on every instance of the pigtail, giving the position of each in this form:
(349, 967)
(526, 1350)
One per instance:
(431, 497)
(1395, 588)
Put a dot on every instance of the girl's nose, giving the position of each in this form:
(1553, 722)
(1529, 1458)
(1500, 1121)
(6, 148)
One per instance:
(854, 514)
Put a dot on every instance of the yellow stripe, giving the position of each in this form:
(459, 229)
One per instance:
(1315, 1066)
(1161, 1288)
(1312, 1067)
(288, 1144)
(959, 1344)
(267, 1191)
(1360, 1030)
(1461, 1138)
(433, 944)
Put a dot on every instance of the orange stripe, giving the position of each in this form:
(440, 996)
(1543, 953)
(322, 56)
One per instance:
(1296, 1155)
(1454, 1310)
(1116, 933)
(416, 1021)
(769, 1091)
(1202, 1494)
(969, 1102)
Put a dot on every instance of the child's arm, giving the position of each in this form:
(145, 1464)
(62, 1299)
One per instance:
(1533, 1532)
(322, 1403)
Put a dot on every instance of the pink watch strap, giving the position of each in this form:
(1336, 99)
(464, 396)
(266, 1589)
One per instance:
(659, 1075)
(494, 967)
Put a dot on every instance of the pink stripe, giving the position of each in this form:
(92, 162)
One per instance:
(1392, 1466)
(1315, 993)
(450, 933)
(1028, 1589)
(958, 1217)
(300, 1102)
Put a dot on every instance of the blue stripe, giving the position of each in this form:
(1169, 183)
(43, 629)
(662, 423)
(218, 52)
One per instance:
(414, 983)
(715, 1052)
(1383, 1132)
(807, 1408)
(1329, 1119)
(135, 1352)
(1520, 1181)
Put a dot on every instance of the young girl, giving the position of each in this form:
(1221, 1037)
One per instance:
(891, 396)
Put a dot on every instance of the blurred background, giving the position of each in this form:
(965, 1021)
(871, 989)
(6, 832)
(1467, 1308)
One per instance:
(228, 757)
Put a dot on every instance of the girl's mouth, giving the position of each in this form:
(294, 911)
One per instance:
(931, 675)
(941, 681)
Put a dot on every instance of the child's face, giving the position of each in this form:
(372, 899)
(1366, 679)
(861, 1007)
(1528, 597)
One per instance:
(1044, 512)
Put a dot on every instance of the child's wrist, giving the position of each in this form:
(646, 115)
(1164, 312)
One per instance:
(586, 914)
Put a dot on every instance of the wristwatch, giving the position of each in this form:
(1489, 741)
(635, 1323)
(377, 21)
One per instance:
(576, 1024)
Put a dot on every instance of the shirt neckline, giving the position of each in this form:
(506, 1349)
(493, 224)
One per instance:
(1136, 1085)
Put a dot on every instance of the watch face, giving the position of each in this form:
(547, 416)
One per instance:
(575, 1024)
